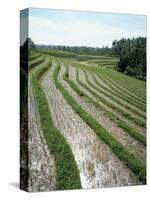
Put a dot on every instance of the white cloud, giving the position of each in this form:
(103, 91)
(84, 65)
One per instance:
(75, 33)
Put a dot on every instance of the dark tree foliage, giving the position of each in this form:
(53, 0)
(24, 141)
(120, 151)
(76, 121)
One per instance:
(24, 52)
(132, 56)
(30, 43)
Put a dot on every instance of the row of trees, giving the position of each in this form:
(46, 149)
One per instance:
(132, 56)
(80, 49)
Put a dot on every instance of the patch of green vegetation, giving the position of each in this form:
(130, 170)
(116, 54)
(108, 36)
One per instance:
(33, 56)
(56, 53)
(67, 174)
(127, 84)
(71, 83)
(137, 166)
(122, 95)
(37, 61)
(113, 95)
(104, 61)
(135, 84)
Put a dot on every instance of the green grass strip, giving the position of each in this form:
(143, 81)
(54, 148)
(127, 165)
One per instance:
(67, 174)
(128, 86)
(138, 168)
(33, 56)
(36, 62)
(71, 83)
(129, 81)
(119, 85)
(119, 93)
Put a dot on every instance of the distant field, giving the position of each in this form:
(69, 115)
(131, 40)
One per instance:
(92, 117)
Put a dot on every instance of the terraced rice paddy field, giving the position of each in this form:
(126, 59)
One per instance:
(87, 123)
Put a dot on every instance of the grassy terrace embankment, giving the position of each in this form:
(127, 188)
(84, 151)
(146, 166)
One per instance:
(33, 56)
(115, 90)
(67, 175)
(36, 61)
(126, 84)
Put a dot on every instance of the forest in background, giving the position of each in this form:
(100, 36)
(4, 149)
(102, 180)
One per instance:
(131, 54)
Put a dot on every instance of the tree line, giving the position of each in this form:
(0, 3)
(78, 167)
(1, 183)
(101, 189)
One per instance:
(132, 56)
(105, 50)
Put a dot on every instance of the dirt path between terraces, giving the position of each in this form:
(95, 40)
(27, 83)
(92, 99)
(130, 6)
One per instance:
(98, 166)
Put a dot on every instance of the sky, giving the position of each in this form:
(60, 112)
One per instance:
(78, 28)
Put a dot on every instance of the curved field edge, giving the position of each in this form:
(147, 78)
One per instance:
(67, 175)
(38, 60)
(114, 90)
(138, 167)
(126, 86)
(107, 78)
